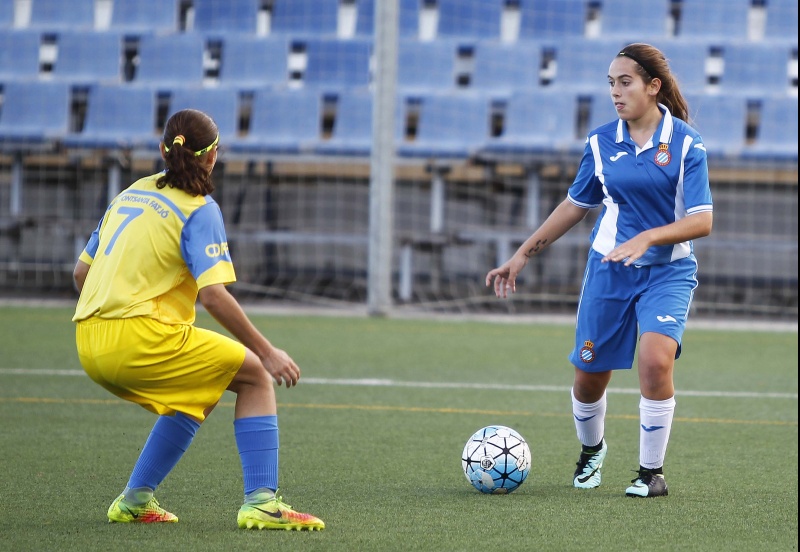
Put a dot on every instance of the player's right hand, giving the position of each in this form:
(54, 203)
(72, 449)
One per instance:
(281, 367)
(504, 277)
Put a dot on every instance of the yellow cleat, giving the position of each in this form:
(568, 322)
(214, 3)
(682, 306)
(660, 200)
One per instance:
(122, 512)
(276, 514)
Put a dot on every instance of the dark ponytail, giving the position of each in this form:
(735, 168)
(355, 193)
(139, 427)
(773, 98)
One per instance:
(189, 135)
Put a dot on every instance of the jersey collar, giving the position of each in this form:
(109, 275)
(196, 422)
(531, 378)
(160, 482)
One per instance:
(664, 131)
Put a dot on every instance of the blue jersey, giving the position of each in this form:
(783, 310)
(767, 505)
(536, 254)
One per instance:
(642, 188)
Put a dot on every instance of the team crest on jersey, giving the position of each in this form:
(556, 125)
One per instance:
(587, 352)
(662, 155)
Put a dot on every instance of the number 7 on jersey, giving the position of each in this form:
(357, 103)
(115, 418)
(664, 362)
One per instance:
(130, 214)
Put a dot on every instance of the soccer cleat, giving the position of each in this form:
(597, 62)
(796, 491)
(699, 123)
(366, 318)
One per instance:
(647, 484)
(276, 514)
(122, 512)
(587, 474)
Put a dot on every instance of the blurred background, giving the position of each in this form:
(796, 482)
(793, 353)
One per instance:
(388, 153)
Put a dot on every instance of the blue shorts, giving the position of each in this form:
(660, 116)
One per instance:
(618, 303)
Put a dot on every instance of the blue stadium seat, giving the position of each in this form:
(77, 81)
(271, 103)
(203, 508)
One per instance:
(638, 21)
(426, 66)
(714, 20)
(777, 131)
(336, 62)
(171, 60)
(552, 18)
(89, 57)
(504, 68)
(59, 14)
(450, 126)
(144, 17)
(228, 16)
(19, 54)
(282, 122)
(352, 129)
(409, 18)
(249, 61)
(687, 61)
(582, 63)
(6, 14)
(536, 122)
(365, 17)
(756, 68)
(721, 120)
(479, 19)
(33, 113)
(305, 17)
(221, 103)
(781, 20)
(118, 117)
(601, 110)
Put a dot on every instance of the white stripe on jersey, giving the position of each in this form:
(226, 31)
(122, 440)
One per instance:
(606, 238)
(683, 249)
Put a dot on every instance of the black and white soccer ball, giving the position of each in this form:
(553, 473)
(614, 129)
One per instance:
(496, 460)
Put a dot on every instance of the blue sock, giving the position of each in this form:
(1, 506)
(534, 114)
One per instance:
(257, 441)
(168, 440)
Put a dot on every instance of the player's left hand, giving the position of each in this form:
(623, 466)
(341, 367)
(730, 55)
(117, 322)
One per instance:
(628, 252)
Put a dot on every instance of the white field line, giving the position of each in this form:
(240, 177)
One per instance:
(375, 382)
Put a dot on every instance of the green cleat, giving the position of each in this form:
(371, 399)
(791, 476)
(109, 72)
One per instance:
(276, 514)
(122, 512)
(587, 474)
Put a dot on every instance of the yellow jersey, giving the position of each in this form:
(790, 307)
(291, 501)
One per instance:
(151, 253)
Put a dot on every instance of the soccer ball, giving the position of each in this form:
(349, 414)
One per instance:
(496, 460)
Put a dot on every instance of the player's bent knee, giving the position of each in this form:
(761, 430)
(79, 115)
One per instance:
(250, 374)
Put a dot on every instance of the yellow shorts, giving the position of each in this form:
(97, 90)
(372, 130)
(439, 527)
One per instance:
(164, 368)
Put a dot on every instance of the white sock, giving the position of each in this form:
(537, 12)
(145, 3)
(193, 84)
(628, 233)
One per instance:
(656, 423)
(589, 420)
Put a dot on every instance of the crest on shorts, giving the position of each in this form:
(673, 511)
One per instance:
(587, 353)
(663, 157)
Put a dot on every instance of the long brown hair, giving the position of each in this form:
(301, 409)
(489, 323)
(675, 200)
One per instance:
(186, 170)
(650, 64)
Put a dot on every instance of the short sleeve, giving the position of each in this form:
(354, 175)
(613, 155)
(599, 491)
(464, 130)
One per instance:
(586, 190)
(696, 188)
(204, 247)
(90, 250)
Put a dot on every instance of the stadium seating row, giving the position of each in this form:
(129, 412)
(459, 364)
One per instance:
(243, 60)
(270, 121)
(493, 19)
